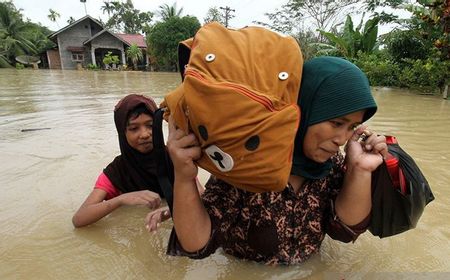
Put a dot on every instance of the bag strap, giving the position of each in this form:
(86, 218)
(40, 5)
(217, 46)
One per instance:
(164, 169)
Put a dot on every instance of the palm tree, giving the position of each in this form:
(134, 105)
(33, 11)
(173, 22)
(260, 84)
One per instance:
(166, 11)
(108, 8)
(13, 35)
(53, 15)
(4, 62)
(71, 20)
(135, 54)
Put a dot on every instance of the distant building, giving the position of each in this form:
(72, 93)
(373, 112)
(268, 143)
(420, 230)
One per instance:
(86, 41)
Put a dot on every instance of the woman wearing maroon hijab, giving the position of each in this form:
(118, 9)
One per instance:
(130, 179)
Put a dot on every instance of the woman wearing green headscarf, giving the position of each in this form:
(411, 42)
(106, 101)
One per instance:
(328, 193)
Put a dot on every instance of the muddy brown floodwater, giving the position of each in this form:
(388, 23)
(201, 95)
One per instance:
(57, 134)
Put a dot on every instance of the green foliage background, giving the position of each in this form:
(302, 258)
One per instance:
(164, 37)
(416, 54)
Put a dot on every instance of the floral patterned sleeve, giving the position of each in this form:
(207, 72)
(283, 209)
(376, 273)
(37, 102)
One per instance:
(222, 203)
(334, 227)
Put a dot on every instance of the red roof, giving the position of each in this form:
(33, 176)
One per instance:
(131, 39)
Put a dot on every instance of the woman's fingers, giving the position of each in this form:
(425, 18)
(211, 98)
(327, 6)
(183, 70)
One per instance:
(370, 141)
(359, 132)
(151, 221)
(174, 132)
(154, 219)
(152, 225)
(381, 147)
(150, 199)
(194, 153)
(154, 202)
(165, 215)
(188, 141)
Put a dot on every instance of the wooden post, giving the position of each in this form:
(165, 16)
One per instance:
(445, 92)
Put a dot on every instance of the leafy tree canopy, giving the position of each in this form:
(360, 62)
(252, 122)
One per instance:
(302, 15)
(164, 37)
(214, 14)
(125, 18)
(18, 37)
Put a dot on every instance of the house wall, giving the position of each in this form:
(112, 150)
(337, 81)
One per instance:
(53, 59)
(108, 41)
(75, 37)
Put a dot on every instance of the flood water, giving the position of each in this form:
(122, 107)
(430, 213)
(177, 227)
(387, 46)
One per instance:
(46, 174)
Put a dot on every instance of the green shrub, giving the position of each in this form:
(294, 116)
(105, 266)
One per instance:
(379, 70)
(111, 59)
(423, 74)
(405, 44)
(19, 66)
(92, 66)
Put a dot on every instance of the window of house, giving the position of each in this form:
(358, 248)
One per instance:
(77, 56)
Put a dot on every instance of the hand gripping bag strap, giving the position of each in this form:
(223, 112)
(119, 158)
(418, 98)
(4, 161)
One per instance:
(392, 211)
(164, 166)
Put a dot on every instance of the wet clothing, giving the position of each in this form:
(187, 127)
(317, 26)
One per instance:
(103, 183)
(132, 170)
(287, 227)
(273, 227)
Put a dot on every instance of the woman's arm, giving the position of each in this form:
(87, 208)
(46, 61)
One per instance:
(191, 220)
(95, 207)
(354, 201)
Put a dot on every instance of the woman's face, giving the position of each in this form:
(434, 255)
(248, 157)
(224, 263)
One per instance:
(323, 140)
(139, 133)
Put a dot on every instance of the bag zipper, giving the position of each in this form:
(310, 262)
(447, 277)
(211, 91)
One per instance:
(266, 102)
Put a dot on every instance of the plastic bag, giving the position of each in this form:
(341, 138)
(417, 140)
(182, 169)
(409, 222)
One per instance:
(392, 211)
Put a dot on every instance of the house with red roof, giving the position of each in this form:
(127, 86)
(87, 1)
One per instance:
(86, 41)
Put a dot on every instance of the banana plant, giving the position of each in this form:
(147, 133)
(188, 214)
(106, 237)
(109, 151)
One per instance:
(354, 40)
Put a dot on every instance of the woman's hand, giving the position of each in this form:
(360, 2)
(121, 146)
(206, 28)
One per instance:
(365, 149)
(183, 150)
(155, 218)
(146, 197)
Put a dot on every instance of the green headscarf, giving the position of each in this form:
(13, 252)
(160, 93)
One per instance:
(331, 87)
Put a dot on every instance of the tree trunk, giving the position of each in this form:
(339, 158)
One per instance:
(445, 92)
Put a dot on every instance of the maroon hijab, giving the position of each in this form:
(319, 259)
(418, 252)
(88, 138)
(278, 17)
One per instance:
(132, 170)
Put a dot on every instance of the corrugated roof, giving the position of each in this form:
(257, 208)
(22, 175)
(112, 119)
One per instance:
(131, 39)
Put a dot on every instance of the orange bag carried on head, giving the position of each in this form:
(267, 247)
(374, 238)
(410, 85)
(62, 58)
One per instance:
(239, 97)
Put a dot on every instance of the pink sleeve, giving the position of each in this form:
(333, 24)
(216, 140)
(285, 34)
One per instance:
(103, 183)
